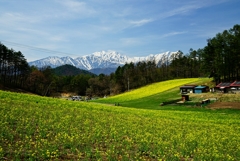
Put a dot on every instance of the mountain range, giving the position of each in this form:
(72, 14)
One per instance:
(102, 62)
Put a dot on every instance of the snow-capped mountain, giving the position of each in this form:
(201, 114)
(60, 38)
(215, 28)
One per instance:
(103, 59)
(53, 61)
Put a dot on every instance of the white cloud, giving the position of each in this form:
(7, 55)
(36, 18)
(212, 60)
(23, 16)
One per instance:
(140, 22)
(189, 6)
(14, 19)
(77, 7)
(180, 10)
(172, 34)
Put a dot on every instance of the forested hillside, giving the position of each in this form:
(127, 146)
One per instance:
(219, 59)
(68, 70)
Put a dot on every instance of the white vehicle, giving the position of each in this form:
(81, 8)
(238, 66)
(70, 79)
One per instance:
(76, 98)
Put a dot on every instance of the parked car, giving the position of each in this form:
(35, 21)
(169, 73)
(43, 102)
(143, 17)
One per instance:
(76, 98)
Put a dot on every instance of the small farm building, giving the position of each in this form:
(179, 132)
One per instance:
(187, 89)
(224, 87)
(235, 87)
(201, 89)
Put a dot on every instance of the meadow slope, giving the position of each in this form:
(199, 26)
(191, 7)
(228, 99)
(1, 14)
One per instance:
(41, 128)
(151, 96)
(152, 89)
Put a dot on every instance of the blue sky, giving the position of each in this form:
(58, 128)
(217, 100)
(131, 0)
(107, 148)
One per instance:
(41, 28)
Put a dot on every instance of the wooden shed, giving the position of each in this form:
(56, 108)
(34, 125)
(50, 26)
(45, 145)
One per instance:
(201, 89)
(224, 87)
(235, 86)
(187, 89)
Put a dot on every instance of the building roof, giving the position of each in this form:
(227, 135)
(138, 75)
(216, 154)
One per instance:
(224, 84)
(235, 84)
(187, 86)
(201, 87)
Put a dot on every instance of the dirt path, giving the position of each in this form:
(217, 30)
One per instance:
(221, 105)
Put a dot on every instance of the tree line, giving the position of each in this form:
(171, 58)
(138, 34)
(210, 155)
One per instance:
(14, 68)
(221, 56)
(219, 59)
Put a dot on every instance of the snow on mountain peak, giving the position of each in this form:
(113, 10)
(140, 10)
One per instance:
(102, 59)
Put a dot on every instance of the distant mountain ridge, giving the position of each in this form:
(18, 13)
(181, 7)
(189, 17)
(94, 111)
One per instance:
(99, 61)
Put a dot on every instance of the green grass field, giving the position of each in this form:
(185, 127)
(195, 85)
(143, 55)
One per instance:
(41, 128)
(151, 96)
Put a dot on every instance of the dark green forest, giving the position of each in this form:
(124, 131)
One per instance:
(220, 59)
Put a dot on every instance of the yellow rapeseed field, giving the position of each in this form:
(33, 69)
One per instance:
(153, 89)
(41, 128)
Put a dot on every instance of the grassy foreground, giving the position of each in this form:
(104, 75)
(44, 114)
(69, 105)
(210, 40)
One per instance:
(40, 128)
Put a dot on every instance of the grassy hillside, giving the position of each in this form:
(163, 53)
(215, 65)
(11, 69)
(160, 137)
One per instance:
(41, 128)
(151, 96)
